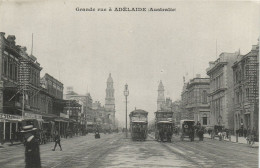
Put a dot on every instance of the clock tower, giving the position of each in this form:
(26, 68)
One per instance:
(110, 101)
(160, 98)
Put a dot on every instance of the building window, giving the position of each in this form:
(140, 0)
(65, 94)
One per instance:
(15, 72)
(221, 80)
(237, 97)
(204, 119)
(11, 70)
(5, 66)
(247, 93)
(204, 97)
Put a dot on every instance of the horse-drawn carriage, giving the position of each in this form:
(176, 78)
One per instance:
(187, 129)
(217, 131)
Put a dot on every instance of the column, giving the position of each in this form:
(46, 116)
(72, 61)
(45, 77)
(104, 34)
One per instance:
(4, 129)
(11, 124)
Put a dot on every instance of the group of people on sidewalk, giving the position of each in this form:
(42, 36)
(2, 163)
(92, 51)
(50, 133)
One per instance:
(250, 136)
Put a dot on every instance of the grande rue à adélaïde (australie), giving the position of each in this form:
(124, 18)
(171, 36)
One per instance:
(125, 9)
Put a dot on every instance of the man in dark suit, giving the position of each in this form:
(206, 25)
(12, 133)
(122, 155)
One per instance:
(57, 141)
(32, 150)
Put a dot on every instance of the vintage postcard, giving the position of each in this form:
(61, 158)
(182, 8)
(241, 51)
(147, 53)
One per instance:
(129, 84)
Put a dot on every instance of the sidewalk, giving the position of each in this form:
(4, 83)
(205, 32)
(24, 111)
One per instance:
(241, 140)
(8, 144)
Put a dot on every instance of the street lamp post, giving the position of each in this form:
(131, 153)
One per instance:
(126, 93)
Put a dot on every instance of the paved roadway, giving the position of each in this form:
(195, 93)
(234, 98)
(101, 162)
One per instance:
(114, 151)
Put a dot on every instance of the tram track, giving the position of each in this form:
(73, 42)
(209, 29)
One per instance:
(204, 155)
(177, 152)
(96, 149)
(207, 155)
(216, 153)
(220, 149)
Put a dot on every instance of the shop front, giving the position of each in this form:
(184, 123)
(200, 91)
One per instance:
(10, 125)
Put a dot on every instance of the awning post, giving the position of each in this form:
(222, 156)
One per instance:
(11, 130)
(4, 130)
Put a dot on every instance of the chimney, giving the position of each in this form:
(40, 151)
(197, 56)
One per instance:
(211, 64)
(254, 47)
(11, 39)
(23, 48)
(2, 34)
(69, 89)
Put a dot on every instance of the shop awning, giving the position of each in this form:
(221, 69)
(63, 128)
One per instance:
(60, 120)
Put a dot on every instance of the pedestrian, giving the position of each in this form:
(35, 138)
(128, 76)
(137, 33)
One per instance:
(227, 133)
(57, 141)
(220, 136)
(32, 149)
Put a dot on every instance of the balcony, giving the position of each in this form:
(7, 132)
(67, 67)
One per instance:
(217, 91)
(215, 65)
(197, 105)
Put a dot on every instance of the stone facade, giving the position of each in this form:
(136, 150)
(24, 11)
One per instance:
(246, 90)
(195, 100)
(10, 57)
(53, 86)
(86, 113)
(176, 108)
(221, 90)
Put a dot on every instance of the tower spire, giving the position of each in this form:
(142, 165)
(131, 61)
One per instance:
(160, 98)
(32, 45)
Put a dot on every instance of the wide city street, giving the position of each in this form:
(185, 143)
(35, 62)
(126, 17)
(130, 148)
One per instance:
(114, 150)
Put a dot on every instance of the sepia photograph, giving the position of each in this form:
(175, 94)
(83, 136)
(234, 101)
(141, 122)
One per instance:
(129, 84)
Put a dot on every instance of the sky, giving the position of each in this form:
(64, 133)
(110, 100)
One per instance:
(138, 48)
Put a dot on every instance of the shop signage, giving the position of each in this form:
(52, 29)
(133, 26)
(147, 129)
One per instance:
(64, 115)
(32, 116)
(9, 116)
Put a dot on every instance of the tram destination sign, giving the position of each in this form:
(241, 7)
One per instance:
(138, 118)
(164, 119)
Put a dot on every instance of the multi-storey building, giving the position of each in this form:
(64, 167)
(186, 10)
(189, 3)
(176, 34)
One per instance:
(245, 76)
(176, 108)
(198, 105)
(195, 100)
(10, 104)
(73, 109)
(168, 104)
(86, 114)
(53, 86)
(29, 81)
(221, 90)
(10, 60)
(99, 110)
(185, 114)
(51, 95)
